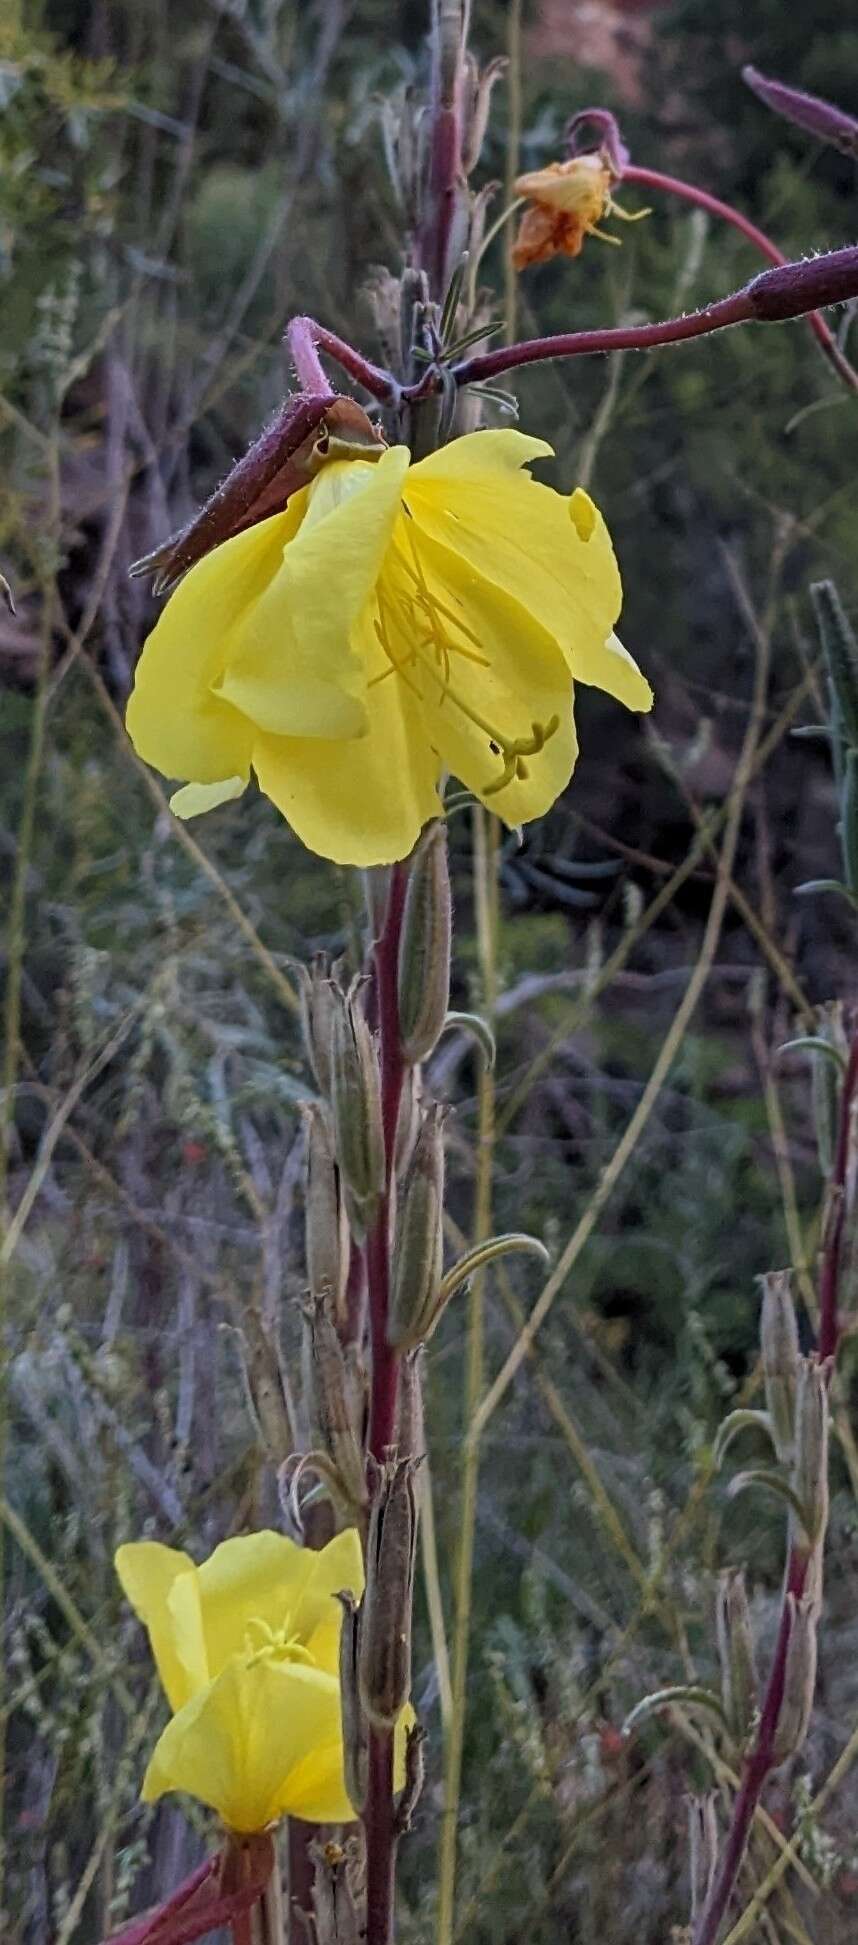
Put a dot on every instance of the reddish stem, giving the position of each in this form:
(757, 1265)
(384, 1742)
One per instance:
(760, 1761)
(306, 338)
(790, 290)
(301, 334)
(445, 164)
(689, 193)
(379, 1815)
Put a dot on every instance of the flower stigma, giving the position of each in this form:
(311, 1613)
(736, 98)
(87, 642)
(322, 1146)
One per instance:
(276, 1644)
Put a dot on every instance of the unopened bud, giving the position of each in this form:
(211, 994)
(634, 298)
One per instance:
(326, 1229)
(781, 1358)
(356, 1106)
(284, 457)
(419, 1246)
(337, 1397)
(799, 1680)
(809, 1477)
(811, 112)
(355, 1730)
(793, 289)
(702, 1849)
(317, 993)
(739, 1687)
(385, 1630)
(424, 951)
(266, 1387)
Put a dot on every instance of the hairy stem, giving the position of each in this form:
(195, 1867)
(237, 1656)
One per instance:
(689, 193)
(306, 339)
(791, 290)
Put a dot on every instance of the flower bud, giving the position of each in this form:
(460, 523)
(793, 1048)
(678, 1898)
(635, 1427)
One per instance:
(355, 1731)
(809, 1477)
(326, 1229)
(385, 1630)
(356, 1106)
(780, 1355)
(266, 1386)
(812, 112)
(337, 1397)
(424, 951)
(317, 994)
(419, 1244)
(284, 457)
(739, 1688)
(799, 1680)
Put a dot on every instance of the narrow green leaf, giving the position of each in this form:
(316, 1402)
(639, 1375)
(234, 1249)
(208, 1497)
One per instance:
(479, 1030)
(736, 1422)
(489, 1252)
(683, 1696)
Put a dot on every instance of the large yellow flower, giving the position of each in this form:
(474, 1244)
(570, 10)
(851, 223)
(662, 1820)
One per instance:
(247, 1649)
(393, 622)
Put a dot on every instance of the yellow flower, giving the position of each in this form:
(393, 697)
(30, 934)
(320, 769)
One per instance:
(568, 201)
(247, 1649)
(393, 622)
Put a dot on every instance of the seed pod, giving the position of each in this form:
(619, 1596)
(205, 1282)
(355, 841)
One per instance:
(326, 1230)
(809, 1477)
(799, 1680)
(338, 1914)
(424, 951)
(410, 1437)
(337, 1398)
(419, 1245)
(739, 1686)
(702, 1848)
(825, 1082)
(780, 1354)
(385, 1631)
(356, 1106)
(355, 1732)
(317, 994)
(409, 1118)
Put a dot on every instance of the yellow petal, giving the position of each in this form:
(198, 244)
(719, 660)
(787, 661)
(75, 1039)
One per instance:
(479, 455)
(362, 802)
(244, 1745)
(266, 1577)
(552, 555)
(503, 674)
(292, 667)
(173, 719)
(611, 668)
(151, 1575)
(195, 798)
(336, 1569)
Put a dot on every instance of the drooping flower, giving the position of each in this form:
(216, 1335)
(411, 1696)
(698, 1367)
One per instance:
(568, 201)
(395, 621)
(247, 1649)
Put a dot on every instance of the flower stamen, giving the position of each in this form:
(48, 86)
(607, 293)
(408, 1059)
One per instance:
(276, 1644)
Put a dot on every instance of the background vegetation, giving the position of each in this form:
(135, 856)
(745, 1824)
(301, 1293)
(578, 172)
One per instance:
(173, 182)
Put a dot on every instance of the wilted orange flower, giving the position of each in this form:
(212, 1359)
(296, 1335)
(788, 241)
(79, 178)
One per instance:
(568, 201)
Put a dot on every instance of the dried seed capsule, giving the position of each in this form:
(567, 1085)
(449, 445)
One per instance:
(355, 1728)
(424, 952)
(781, 1358)
(356, 1107)
(809, 1477)
(318, 994)
(385, 1631)
(739, 1686)
(339, 1916)
(337, 1390)
(799, 1680)
(419, 1245)
(326, 1230)
(410, 1437)
(703, 1849)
